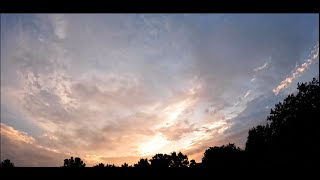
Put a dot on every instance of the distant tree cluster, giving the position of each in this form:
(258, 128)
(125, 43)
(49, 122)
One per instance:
(77, 162)
(289, 138)
(6, 163)
(173, 160)
(142, 163)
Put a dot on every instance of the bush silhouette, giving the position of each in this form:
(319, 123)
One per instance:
(224, 156)
(74, 162)
(100, 165)
(144, 163)
(6, 163)
(125, 165)
(110, 166)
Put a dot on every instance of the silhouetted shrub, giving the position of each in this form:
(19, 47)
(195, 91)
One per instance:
(74, 162)
(6, 163)
(225, 156)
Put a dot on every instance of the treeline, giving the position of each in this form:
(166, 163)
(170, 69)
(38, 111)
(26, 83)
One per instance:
(290, 138)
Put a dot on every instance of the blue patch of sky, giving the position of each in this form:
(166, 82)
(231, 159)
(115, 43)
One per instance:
(20, 123)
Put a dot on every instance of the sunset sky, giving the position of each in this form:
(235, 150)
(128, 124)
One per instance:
(112, 88)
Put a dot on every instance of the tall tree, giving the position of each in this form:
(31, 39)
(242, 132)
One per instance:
(291, 135)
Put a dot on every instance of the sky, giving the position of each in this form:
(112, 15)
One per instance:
(112, 88)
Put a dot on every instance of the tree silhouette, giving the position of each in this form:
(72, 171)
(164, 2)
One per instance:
(100, 165)
(74, 162)
(125, 165)
(6, 163)
(179, 160)
(291, 135)
(110, 166)
(160, 161)
(223, 156)
(192, 163)
(142, 163)
(257, 144)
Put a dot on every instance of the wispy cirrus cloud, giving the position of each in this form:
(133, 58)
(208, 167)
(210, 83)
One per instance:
(247, 94)
(265, 65)
(59, 25)
(313, 56)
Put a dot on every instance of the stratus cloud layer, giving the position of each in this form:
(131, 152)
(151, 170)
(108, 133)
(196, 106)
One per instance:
(114, 88)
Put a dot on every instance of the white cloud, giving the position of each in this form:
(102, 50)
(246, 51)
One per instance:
(265, 65)
(247, 94)
(254, 78)
(313, 56)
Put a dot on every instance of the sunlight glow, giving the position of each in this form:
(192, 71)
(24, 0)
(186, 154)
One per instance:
(173, 111)
(151, 147)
